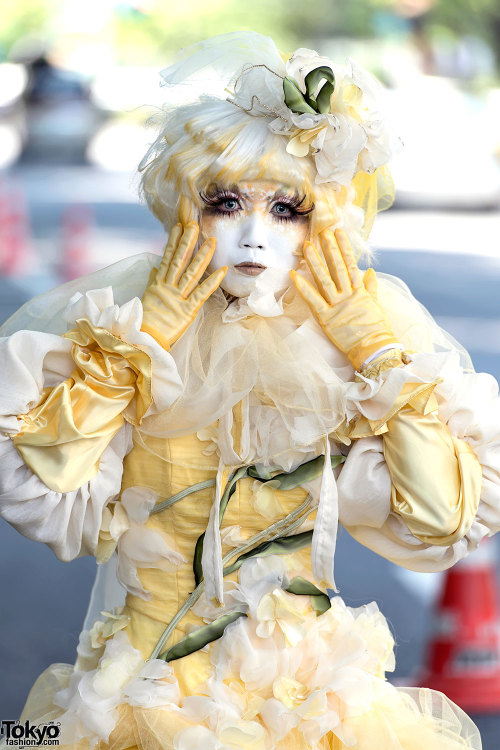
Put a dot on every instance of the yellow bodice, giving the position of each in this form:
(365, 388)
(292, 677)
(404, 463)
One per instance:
(168, 466)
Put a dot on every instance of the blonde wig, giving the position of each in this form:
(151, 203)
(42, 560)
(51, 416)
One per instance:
(213, 141)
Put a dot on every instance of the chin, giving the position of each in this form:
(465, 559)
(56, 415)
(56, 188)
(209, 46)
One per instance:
(237, 285)
(272, 280)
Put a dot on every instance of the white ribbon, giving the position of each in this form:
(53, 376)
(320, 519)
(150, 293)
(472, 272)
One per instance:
(324, 538)
(211, 559)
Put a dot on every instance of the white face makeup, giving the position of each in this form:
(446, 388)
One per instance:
(260, 227)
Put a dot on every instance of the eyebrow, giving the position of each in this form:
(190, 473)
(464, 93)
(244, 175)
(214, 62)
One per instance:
(279, 193)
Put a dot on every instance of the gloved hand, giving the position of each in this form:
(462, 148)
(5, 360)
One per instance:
(174, 295)
(344, 303)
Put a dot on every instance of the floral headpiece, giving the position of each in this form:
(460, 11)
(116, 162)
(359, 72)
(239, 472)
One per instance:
(329, 111)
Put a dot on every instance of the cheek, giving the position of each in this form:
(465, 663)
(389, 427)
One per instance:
(286, 240)
(225, 232)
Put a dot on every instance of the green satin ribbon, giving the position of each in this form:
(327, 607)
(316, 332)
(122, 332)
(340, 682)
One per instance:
(201, 637)
(283, 545)
(285, 481)
(310, 103)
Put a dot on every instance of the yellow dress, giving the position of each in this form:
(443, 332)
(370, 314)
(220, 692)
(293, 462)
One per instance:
(281, 677)
(280, 665)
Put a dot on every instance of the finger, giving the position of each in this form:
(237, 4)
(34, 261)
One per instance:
(152, 276)
(197, 267)
(328, 259)
(370, 282)
(207, 288)
(173, 239)
(320, 272)
(309, 293)
(356, 279)
(182, 255)
(335, 261)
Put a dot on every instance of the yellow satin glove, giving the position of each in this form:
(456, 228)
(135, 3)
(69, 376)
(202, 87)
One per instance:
(174, 295)
(344, 303)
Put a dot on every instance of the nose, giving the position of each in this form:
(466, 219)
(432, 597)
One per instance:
(253, 234)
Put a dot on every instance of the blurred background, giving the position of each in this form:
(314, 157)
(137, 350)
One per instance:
(78, 82)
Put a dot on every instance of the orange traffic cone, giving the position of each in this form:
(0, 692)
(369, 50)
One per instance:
(76, 228)
(463, 658)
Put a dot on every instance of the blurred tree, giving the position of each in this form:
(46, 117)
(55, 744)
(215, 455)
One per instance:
(25, 17)
(470, 17)
(163, 28)
(148, 31)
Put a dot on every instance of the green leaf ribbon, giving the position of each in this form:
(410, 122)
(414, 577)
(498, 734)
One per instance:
(226, 496)
(283, 545)
(303, 473)
(213, 631)
(301, 587)
(285, 481)
(200, 637)
(310, 103)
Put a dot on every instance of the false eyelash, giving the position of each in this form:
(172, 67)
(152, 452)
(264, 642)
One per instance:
(292, 201)
(217, 196)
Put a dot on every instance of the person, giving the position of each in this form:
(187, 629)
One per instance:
(203, 423)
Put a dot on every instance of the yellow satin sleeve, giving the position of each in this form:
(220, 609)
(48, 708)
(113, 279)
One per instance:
(436, 478)
(62, 438)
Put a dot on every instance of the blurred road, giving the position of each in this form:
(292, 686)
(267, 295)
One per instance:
(451, 263)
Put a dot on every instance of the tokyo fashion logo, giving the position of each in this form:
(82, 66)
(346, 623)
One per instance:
(20, 735)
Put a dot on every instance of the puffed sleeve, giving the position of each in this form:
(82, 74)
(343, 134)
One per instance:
(67, 406)
(377, 504)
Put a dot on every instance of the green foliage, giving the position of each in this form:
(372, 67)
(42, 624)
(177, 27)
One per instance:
(149, 33)
(23, 18)
(291, 23)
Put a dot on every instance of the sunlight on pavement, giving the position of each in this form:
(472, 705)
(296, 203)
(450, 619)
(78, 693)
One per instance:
(474, 233)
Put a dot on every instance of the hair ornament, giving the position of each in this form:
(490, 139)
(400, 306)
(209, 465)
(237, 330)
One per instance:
(331, 112)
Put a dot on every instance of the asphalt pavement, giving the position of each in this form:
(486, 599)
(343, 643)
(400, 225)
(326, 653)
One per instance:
(43, 600)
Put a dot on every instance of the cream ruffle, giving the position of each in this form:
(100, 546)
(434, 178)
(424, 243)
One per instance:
(294, 385)
(469, 404)
(124, 322)
(31, 361)
(123, 528)
(68, 522)
(279, 678)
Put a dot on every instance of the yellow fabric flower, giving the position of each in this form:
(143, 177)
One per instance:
(285, 611)
(303, 143)
(289, 691)
(101, 630)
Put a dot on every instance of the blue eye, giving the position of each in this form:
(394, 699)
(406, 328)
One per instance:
(230, 204)
(283, 211)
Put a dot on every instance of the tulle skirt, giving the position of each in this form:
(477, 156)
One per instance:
(280, 678)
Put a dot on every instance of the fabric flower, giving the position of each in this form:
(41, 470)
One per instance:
(101, 630)
(91, 699)
(350, 136)
(278, 609)
(137, 546)
(302, 62)
(154, 686)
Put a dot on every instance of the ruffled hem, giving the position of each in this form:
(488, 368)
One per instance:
(280, 676)
(402, 719)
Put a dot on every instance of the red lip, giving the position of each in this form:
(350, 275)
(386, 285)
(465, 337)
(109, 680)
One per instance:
(250, 269)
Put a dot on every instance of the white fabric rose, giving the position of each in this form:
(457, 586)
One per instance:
(353, 136)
